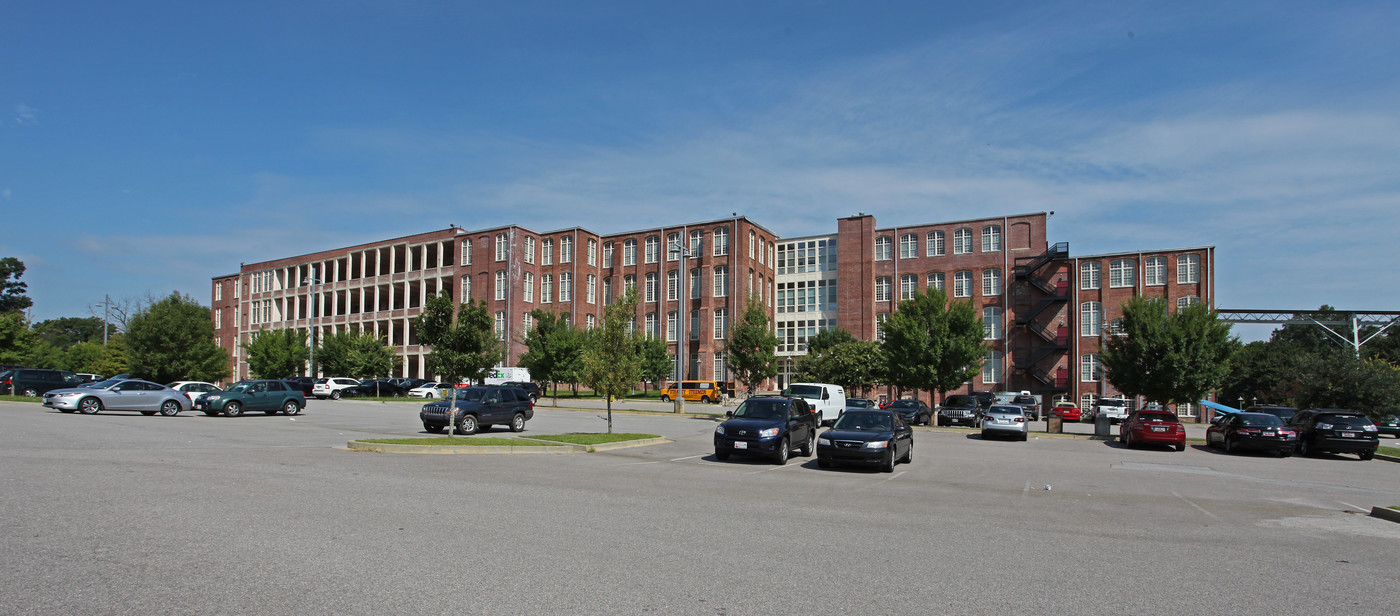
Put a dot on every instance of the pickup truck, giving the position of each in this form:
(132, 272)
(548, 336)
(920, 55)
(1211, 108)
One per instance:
(1115, 409)
(478, 408)
(269, 396)
(1028, 404)
(768, 426)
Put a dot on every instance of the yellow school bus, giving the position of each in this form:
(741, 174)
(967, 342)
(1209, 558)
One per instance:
(693, 391)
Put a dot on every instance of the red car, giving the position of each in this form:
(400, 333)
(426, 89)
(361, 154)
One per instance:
(1066, 411)
(1152, 428)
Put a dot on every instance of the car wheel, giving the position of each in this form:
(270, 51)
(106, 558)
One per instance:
(467, 425)
(823, 462)
(432, 428)
(291, 408)
(984, 436)
(665, 398)
(704, 400)
(1024, 437)
(1229, 446)
(517, 423)
(1366, 455)
(1127, 438)
(148, 413)
(233, 409)
(908, 454)
(335, 395)
(809, 446)
(781, 457)
(1303, 449)
(170, 408)
(1181, 447)
(396, 394)
(888, 465)
(88, 406)
(721, 455)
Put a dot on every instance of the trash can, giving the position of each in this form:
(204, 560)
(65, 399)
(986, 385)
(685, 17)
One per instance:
(1102, 424)
(1054, 424)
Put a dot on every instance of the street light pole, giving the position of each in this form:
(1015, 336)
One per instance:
(311, 362)
(682, 253)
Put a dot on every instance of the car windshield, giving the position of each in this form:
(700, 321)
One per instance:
(1345, 421)
(901, 404)
(856, 420)
(1159, 417)
(960, 401)
(1259, 419)
(860, 403)
(811, 392)
(1024, 400)
(105, 384)
(237, 387)
(471, 394)
(761, 409)
(1005, 410)
(1111, 402)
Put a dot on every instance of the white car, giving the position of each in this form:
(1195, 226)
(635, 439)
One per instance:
(427, 390)
(194, 389)
(331, 387)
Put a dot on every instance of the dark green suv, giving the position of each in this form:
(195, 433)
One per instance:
(269, 396)
(32, 383)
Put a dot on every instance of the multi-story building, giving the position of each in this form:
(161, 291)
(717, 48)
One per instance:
(1044, 312)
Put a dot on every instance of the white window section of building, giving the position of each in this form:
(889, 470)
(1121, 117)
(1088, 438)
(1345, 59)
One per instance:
(608, 254)
(697, 240)
(991, 323)
(566, 287)
(673, 284)
(502, 247)
(591, 321)
(466, 252)
(721, 241)
(566, 249)
(651, 285)
(936, 280)
(991, 368)
(1154, 271)
(1188, 300)
(991, 282)
(962, 284)
(219, 292)
(991, 238)
(753, 243)
(466, 289)
(1089, 368)
(908, 246)
(882, 289)
(1188, 269)
(652, 324)
(721, 368)
(607, 291)
(501, 285)
(592, 290)
(547, 289)
(1090, 275)
(500, 325)
(592, 252)
(530, 251)
(962, 241)
(629, 282)
(653, 249)
(673, 246)
(694, 324)
(933, 244)
(721, 324)
(528, 322)
(880, 325)
(721, 282)
(1088, 401)
(546, 251)
(695, 283)
(1185, 409)
(883, 248)
(1122, 273)
(1090, 319)
(629, 253)
(529, 290)
(908, 286)
(671, 326)
(218, 318)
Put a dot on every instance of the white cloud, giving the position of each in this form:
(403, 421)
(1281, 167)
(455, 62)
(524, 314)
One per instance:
(26, 115)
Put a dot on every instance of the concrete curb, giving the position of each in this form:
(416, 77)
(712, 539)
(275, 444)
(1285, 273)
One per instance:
(554, 447)
(1385, 514)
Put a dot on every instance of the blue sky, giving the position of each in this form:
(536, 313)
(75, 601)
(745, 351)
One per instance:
(146, 147)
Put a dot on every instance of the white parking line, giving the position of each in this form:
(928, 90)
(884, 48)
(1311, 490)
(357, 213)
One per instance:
(1354, 507)
(1198, 507)
(689, 457)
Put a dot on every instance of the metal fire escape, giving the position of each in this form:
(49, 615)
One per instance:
(1040, 337)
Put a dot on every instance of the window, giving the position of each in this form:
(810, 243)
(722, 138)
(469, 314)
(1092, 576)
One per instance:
(1188, 269)
(629, 282)
(1087, 401)
(219, 292)
(1185, 409)
(934, 244)
(673, 246)
(218, 317)
(671, 326)
(651, 325)
(1090, 369)
(721, 241)
(883, 248)
(695, 283)
(591, 321)
(566, 287)
(546, 288)
(592, 289)
(629, 253)
(908, 286)
(696, 240)
(500, 325)
(991, 282)
(466, 289)
(694, 324)
(653, 249)
(991, 323)
(721, 281)
(936, 281)
(673, 283)
(962, 241)
(566, 250)
(1090, 275)
(528, 322)
(880, 325)
(908, 246)
(546, 249)
(721, 324)
(721, 370)
(529, 287)
(502, 247)
(592, 251)
(962, 284)
(1154, 271)
(607, 291)
(652, 283)
(882, 289)
(991, 238)
(753, 243)
(991, 368)
(1189, 300)
(501, 285)
(1122, 273)
(1090, 318)
(608, 254)
(466, 252)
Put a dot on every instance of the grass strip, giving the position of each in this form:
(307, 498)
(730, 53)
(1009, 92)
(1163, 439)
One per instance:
(36, 399)
(1389, 451)
(594, 438)
(458, 441)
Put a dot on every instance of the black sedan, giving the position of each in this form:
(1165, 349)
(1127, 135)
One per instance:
(375, 388)
(915, 412)
(867, 436)
(1252, 431)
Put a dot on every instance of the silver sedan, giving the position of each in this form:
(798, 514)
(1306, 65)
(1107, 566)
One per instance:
(1005, 420)
(119, 395)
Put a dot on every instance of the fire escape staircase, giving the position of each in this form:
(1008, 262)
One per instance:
(1041, 296)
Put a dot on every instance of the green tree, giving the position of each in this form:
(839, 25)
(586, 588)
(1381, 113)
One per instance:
(932, 344)
(14, 338)
(67, 331)
(1168, 357)
(333, 353)
(277, 353)
(371, 357)
(656, 362)
(552, 349)
(751, 352)
(611, 365)
(173, 339)
(856, 365)
(12, 297)
(463, 341)
(113, 358)
(828, 338)
(1371, 386)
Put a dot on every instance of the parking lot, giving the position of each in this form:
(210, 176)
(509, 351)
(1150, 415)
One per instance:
(120, 513)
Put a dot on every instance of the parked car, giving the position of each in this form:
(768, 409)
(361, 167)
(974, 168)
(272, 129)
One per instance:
(120, 377)
(530, 387)
(1335, 431)
(860, 403)
(430, 390)
(914, 412)
(827, 401)
(408, 383)
(88, 377)
(1067, 411)
(194, 389)
(306, 384)
(1029, 404)
(269, 396)
(1282, 412)
(1390, 424)
(119, 395)
(768, 426)
(332, 387)
(958, 409)
(1152, 427)
(1238, 432)
(478, 408)
(692, 391)
(1005, 420)
(1114, 408)
(35, 382)
(867, 436)
(374, 388)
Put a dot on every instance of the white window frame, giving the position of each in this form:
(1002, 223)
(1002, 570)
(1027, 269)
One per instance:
(882, 288)
(962, 283)
(1188, 269)
(935, 244)
(1090, 319)
(721, 241)
(1122, 274)
(721, 323)
(991, 282)
(547, 289)
(566, 250)
(1090, 368)
(991, 238)
(908, 246)
(592, 289)
(1090, 275)
(566, 287)
(529, 290)
(653, 249)
(991, 323)
(936, 280)
(629, 252)
(651, 283)
(1154, 271)
(500, 285)
(721, 281)
(908, 286)
(546, 250)
(502, 247)
(466, 252)
(962, 241)
(884, 248)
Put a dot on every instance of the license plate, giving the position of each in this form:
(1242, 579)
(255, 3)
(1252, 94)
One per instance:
(1159, 428)
(1270, 434)
(741, 445)
(1348, 435)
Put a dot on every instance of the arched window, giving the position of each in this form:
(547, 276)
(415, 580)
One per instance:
(962, 241)
(1090, 318)
(934, 244)
(883, 248)
(991, 238)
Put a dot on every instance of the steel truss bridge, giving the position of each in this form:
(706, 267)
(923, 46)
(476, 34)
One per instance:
(1351, 322)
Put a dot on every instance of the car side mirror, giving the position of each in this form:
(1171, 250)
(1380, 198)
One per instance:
(729, 414)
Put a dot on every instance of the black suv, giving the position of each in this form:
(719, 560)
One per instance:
(32, 383)
(959, 409)
(768, 426)
(478, 408)
(529, 387)
(1335, 431)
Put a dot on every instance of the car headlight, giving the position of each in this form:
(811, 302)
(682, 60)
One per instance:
(768, 433)
(719, 430)
(824, 441)
(876, 445)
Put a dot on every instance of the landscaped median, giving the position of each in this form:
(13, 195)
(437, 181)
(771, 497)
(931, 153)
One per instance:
(545, 443)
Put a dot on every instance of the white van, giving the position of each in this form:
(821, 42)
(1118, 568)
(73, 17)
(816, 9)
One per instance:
(826, 400)
(508, 373)
(1115, 409)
